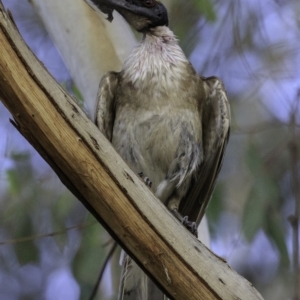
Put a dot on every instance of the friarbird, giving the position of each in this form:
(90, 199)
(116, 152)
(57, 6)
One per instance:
(169, 124)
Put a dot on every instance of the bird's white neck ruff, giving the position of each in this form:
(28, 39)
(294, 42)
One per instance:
(157, 58)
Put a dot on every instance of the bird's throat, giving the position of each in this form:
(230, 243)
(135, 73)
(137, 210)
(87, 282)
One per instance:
(157, 59)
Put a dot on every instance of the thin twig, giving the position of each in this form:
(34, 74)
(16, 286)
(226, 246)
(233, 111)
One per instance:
(262, 127)
(108, 257)
(39, 236)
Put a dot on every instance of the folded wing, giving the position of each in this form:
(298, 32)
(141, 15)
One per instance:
(215, 132)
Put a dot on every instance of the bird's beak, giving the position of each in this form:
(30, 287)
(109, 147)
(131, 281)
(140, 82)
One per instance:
(140, 14)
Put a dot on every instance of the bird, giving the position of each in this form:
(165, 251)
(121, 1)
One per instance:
(169, 124)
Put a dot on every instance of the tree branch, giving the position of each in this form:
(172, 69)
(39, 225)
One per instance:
(89, 166)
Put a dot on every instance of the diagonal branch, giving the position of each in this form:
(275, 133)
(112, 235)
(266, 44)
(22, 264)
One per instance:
(88, 165)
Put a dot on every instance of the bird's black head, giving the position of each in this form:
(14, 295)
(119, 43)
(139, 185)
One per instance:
(140, 14)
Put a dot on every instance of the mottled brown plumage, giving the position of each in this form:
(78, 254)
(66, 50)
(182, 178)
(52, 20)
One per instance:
(166, 121)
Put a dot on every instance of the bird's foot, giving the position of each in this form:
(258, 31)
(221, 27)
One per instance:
(190, 226)
(146, 179)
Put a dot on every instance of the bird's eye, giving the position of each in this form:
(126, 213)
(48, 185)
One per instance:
(149, 3)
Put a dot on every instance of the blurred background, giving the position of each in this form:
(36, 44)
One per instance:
(50, 245)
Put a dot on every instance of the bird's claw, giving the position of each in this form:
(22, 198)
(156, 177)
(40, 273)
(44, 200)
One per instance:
(190, 226)
(146, 179)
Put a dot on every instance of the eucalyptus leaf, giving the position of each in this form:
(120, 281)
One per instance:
(275, 232)
(263, 195)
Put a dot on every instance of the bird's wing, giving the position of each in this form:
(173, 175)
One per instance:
(105, 111)
(215, 132)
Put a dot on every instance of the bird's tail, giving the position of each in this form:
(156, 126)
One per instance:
(136, 285)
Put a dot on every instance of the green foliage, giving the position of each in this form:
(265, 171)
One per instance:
(12, 178)
(263, 204)
(206, 8)
(20, 174)
(73, 90)
(35, 213)
(184, 18)
(28, 252)
(77, 94)
(274, 229)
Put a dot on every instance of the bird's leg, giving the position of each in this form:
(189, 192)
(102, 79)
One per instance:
(173, 207)
(146, 179)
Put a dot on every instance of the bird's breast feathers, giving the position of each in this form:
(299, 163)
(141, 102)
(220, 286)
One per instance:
(157, 62)
(157, 127)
